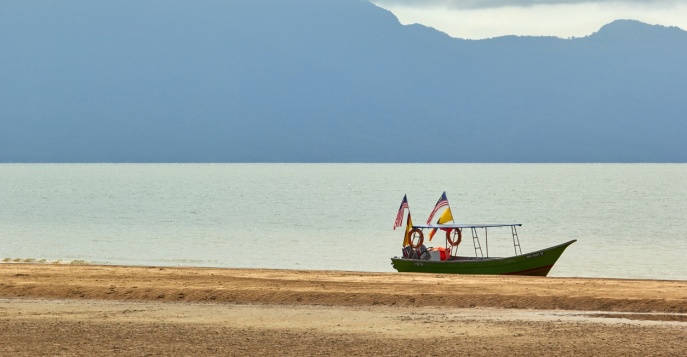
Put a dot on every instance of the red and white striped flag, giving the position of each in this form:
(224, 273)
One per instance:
(399, 215)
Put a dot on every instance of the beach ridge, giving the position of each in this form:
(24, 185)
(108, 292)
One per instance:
(83, 310)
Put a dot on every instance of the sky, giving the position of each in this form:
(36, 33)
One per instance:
(479, 19)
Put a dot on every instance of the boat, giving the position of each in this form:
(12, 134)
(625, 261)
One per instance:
(443, 260)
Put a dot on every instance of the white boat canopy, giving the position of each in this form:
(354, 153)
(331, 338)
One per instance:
(464, 225)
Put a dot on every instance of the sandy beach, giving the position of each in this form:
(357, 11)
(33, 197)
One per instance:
(82, 310)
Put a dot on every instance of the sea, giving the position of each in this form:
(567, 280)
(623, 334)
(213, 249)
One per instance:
(629, 220)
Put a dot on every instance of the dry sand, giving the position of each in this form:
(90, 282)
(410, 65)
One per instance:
(85, 310)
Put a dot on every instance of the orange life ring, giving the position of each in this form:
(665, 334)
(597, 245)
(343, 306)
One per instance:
(457, 241)
(410, 237)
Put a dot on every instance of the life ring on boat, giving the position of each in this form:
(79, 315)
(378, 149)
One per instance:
(451, 241)
(421, 235)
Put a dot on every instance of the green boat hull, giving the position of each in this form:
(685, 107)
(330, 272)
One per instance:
(537, 263)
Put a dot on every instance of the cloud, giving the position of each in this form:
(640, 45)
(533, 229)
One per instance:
(560, 20)
(493, 4)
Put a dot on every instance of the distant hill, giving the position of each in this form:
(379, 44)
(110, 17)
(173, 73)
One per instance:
(326, 81)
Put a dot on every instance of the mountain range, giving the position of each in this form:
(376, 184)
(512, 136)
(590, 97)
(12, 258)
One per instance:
(326, 81)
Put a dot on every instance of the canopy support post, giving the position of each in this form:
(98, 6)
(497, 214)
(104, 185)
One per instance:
(486, 241)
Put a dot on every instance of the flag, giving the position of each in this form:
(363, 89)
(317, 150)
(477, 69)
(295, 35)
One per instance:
(443, 202)
(445, 217)
(409, 226)
(399, 215)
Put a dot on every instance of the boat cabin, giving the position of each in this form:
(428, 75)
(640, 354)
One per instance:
(453, 235)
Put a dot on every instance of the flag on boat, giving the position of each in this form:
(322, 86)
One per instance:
(409, 226)
(447, 216)
(399, 215)
(443, 202)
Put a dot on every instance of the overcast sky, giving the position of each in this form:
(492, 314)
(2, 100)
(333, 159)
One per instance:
(477, 19)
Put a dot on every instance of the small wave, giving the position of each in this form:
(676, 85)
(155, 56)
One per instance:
(188, 261)
(46, 261)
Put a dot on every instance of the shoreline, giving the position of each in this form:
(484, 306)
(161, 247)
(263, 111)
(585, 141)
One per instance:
(72, 310)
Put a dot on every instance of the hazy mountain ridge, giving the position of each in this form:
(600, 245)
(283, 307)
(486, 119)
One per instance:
(308, 80)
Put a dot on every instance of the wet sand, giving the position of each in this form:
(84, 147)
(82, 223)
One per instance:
(81, 310)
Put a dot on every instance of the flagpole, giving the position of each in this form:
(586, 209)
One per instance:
(448, 203)
(449, 207)
(406, 238)
(407, 202)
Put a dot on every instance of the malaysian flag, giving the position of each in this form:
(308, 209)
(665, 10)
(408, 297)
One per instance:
(443, 202)
(399, 215)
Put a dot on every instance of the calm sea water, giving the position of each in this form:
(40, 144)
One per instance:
(629, 220)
